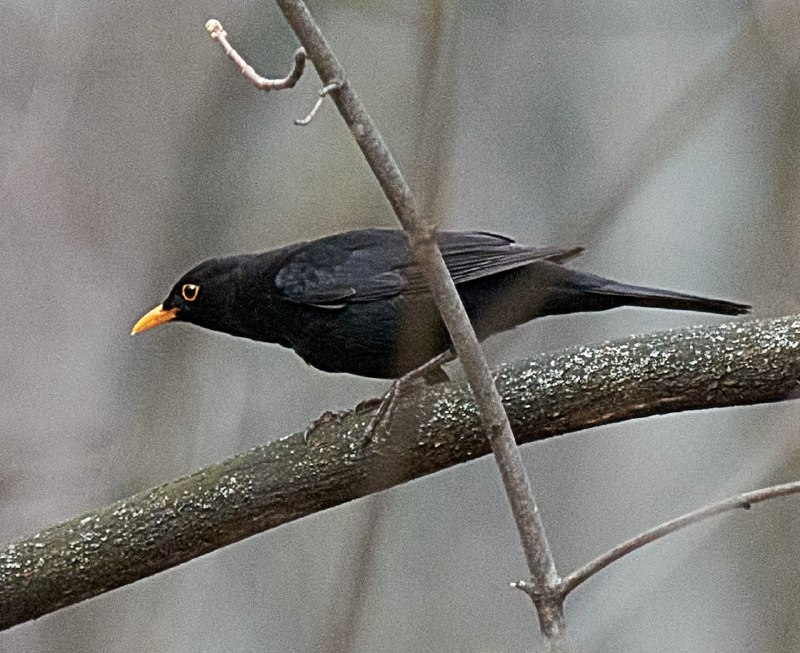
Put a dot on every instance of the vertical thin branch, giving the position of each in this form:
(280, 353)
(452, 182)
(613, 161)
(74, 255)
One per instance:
(435, 104)
(421, 235)
(341, 634)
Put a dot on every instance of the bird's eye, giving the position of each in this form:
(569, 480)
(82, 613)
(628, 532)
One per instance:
(189, 291)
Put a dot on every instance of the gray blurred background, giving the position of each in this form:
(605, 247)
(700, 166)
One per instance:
(662, 136)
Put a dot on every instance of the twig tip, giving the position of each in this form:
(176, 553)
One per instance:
(214, 27)
(218, 34)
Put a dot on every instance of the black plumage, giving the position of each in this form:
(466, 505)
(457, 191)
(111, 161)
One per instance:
(356, 302)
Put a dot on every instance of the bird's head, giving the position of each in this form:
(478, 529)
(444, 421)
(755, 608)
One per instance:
(203, 296)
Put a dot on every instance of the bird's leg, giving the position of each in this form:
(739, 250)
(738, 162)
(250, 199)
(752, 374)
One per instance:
(431, 371)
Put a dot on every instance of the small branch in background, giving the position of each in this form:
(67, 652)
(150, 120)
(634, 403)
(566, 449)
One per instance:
(680, 120)
(433, 107)
(740, 501)
(326, 90)
(353, 590)
(215, 30)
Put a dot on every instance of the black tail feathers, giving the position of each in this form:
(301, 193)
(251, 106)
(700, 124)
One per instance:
(654, 298)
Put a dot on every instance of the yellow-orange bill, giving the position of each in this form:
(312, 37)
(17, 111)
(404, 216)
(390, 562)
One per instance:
(159, 315)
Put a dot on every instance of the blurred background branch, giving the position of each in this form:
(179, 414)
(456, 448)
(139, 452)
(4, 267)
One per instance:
(434, 107)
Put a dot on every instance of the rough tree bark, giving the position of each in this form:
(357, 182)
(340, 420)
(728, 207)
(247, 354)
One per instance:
(434, 427)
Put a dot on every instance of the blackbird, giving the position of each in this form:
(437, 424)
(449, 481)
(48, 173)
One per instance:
(356, 302)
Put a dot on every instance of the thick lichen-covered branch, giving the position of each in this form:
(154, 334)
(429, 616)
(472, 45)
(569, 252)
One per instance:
(433, 428)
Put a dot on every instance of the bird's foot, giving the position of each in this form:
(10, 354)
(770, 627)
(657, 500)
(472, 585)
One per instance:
(385, 409)
(431, 372)
(368, 404)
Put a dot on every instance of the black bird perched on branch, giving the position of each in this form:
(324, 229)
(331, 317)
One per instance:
(356, 302)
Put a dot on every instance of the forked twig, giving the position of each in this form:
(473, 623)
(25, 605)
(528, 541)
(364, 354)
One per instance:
(740, 501)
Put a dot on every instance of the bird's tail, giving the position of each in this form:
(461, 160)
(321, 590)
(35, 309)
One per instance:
(656, 298)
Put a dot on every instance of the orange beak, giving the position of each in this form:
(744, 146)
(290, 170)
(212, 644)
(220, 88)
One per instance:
(159, 315)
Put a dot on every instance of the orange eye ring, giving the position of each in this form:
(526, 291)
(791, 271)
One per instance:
(189, 291)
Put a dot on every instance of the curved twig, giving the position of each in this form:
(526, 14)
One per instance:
(324, 92)
(215, 30)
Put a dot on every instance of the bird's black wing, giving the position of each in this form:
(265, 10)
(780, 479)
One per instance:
(372, 264)
(470, 255)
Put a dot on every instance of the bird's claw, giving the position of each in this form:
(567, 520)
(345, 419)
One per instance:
(368, 404)
(431, 372)
(325, 418)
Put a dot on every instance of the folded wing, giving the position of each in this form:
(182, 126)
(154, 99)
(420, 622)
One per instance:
(374, 264)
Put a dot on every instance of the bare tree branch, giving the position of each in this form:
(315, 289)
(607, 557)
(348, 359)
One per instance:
(433, 428)
(433, 106)
(740, 501)
(421, 236)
